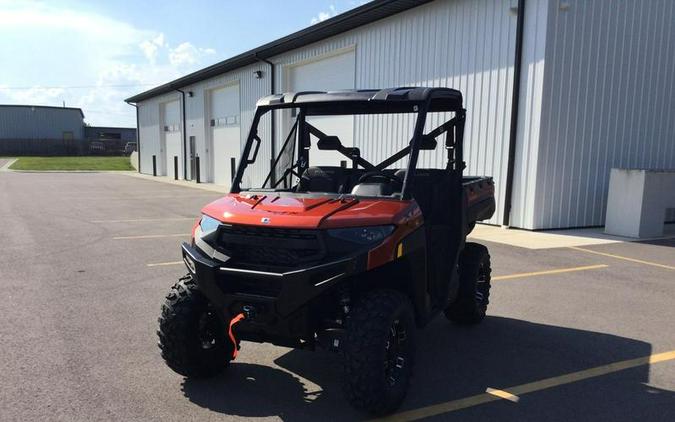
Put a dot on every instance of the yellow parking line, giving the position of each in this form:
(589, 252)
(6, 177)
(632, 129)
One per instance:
(503, 394)
(625, 258)
(549, 272)
(450, 406)
(151, 236)
(142, 220)
(164, 264)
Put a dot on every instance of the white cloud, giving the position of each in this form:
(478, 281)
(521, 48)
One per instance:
(32, 95)
(159, 40)
(187, 53)
(151, 47)
(61, 48)
(323, 15)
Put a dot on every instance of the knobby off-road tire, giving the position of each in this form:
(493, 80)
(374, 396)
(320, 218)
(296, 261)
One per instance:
(379, 352)
(192, 338)
(474, 286)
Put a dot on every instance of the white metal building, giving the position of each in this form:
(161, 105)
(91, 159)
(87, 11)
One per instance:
(557, 93)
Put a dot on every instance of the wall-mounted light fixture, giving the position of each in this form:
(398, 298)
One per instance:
(258, 74)
(190, 94)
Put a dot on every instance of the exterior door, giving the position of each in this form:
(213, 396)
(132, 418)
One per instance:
(225, 133)
(193, 155)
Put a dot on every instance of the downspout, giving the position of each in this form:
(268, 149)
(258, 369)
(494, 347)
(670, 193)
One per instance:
(273, 148)
(138, 135)
(184, 137)
(515, 96)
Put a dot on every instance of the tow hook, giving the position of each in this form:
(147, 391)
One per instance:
(235, 343)
(248, 313)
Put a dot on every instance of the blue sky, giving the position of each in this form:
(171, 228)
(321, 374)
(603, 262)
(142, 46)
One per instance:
(94, 54)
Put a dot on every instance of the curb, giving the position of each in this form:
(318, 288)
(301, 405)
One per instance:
(5, 167)
(186, 184)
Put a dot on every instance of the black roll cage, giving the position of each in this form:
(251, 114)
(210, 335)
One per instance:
(453, 130)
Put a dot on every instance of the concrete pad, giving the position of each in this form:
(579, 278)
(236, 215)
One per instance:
(554, 238)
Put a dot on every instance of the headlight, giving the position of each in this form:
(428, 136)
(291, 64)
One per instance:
(363, 235)
(208, 224)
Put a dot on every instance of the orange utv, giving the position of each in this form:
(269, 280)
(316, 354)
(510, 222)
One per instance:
(352, 257)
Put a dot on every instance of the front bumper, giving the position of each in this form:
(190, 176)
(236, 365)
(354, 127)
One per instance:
(279, 299)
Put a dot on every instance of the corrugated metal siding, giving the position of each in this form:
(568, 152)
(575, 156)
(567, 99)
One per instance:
(95, 132)
(250, 90)
(150, 133)
(468, 45)
(531, 91)
(24, 122)
(464, 44)
(197, 116)
(609, 102)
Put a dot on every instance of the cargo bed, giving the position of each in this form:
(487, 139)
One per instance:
(480, 194)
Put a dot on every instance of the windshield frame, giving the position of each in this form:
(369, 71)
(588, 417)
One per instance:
(420, 108)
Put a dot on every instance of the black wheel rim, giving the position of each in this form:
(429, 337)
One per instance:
(482, 287)
(208, 326)
(395, 361)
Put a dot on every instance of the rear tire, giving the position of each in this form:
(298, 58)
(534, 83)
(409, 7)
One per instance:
(192, 338)
(379, 351)
(474, 286)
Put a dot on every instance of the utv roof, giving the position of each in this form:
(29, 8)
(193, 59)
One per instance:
(357, 101)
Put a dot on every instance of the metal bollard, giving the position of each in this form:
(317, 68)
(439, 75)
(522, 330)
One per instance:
(154, 165)
(233, 168)
(175, 167)
(197, 170)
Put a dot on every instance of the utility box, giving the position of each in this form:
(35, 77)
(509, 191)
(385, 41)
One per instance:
(638, 200)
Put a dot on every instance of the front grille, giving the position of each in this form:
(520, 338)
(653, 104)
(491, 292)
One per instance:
(253, 245)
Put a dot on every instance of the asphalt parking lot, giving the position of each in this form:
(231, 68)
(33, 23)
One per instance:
(86, 259)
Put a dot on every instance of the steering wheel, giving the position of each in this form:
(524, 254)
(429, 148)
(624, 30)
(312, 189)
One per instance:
(379, 174)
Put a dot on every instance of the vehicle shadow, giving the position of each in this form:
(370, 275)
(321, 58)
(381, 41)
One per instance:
(456, 362)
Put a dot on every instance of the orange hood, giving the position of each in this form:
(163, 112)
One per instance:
(309, 212)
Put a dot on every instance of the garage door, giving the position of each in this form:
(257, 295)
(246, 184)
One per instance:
(173, 146)
(225, 133)
(327, 74)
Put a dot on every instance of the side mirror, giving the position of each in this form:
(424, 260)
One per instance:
(329, 143)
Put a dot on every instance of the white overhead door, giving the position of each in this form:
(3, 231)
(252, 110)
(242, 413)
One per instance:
(225, 133)
(327, 74)
(173, 146)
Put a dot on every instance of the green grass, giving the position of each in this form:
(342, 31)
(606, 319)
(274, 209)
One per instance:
(72, 163)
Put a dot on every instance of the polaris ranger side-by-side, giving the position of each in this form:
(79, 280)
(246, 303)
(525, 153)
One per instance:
(351, 257)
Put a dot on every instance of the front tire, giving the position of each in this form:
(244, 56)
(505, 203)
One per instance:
(192, 337)
(474, 286)
(379, 352)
